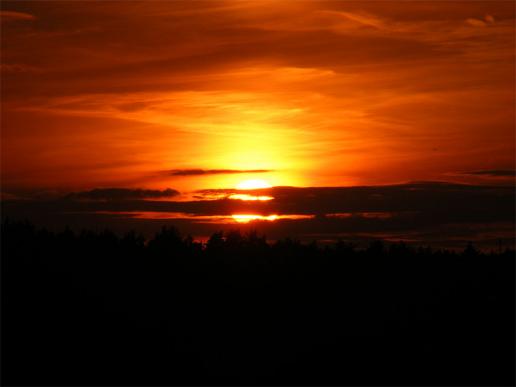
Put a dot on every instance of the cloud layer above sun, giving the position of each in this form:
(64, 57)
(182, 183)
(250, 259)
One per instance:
(322, 93)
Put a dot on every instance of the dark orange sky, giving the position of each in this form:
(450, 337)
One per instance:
(137, 94)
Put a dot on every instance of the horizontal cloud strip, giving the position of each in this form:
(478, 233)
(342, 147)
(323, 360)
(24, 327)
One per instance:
(14, 15)
(196, 172)
(432, 201)
(439, 213)
(116, 194)
(494, 172)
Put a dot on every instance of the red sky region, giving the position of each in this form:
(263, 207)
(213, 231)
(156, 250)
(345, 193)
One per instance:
(319, 93)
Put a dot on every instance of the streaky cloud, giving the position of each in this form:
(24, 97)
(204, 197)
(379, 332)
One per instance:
(197, 172)
(494, 172)
(14, 15)
(116, 194)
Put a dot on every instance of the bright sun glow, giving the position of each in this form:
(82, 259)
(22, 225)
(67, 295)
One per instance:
(253, 184)
(241, 218)
(250, 197)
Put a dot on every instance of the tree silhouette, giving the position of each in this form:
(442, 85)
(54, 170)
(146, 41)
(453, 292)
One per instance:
(95, 308)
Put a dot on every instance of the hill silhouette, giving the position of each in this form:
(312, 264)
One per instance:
(95, 308)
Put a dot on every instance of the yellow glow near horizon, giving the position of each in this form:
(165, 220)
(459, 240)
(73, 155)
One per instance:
(250, 197)
(246, 218)
(253, 184)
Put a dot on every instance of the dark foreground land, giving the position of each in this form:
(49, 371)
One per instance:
(96, 309)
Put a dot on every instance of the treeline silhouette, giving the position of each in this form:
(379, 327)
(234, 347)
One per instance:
(94, 308)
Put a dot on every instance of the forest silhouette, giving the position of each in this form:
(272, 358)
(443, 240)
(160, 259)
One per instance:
(96, 308)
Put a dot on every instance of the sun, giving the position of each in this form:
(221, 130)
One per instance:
(246, 218)
(253, 184)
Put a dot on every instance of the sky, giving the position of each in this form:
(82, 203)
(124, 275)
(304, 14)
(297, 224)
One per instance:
(196, 96)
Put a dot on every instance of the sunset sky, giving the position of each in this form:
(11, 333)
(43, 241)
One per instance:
(208, 95)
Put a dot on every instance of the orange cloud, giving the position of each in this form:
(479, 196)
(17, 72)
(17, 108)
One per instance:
(316, 93)
(13, 15)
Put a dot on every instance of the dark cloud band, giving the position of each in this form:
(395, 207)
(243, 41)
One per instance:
(116, 194)
(494, 172)
(197, 172)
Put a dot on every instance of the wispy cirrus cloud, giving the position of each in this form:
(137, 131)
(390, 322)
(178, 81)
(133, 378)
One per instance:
(488, 19)
(14, 15)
